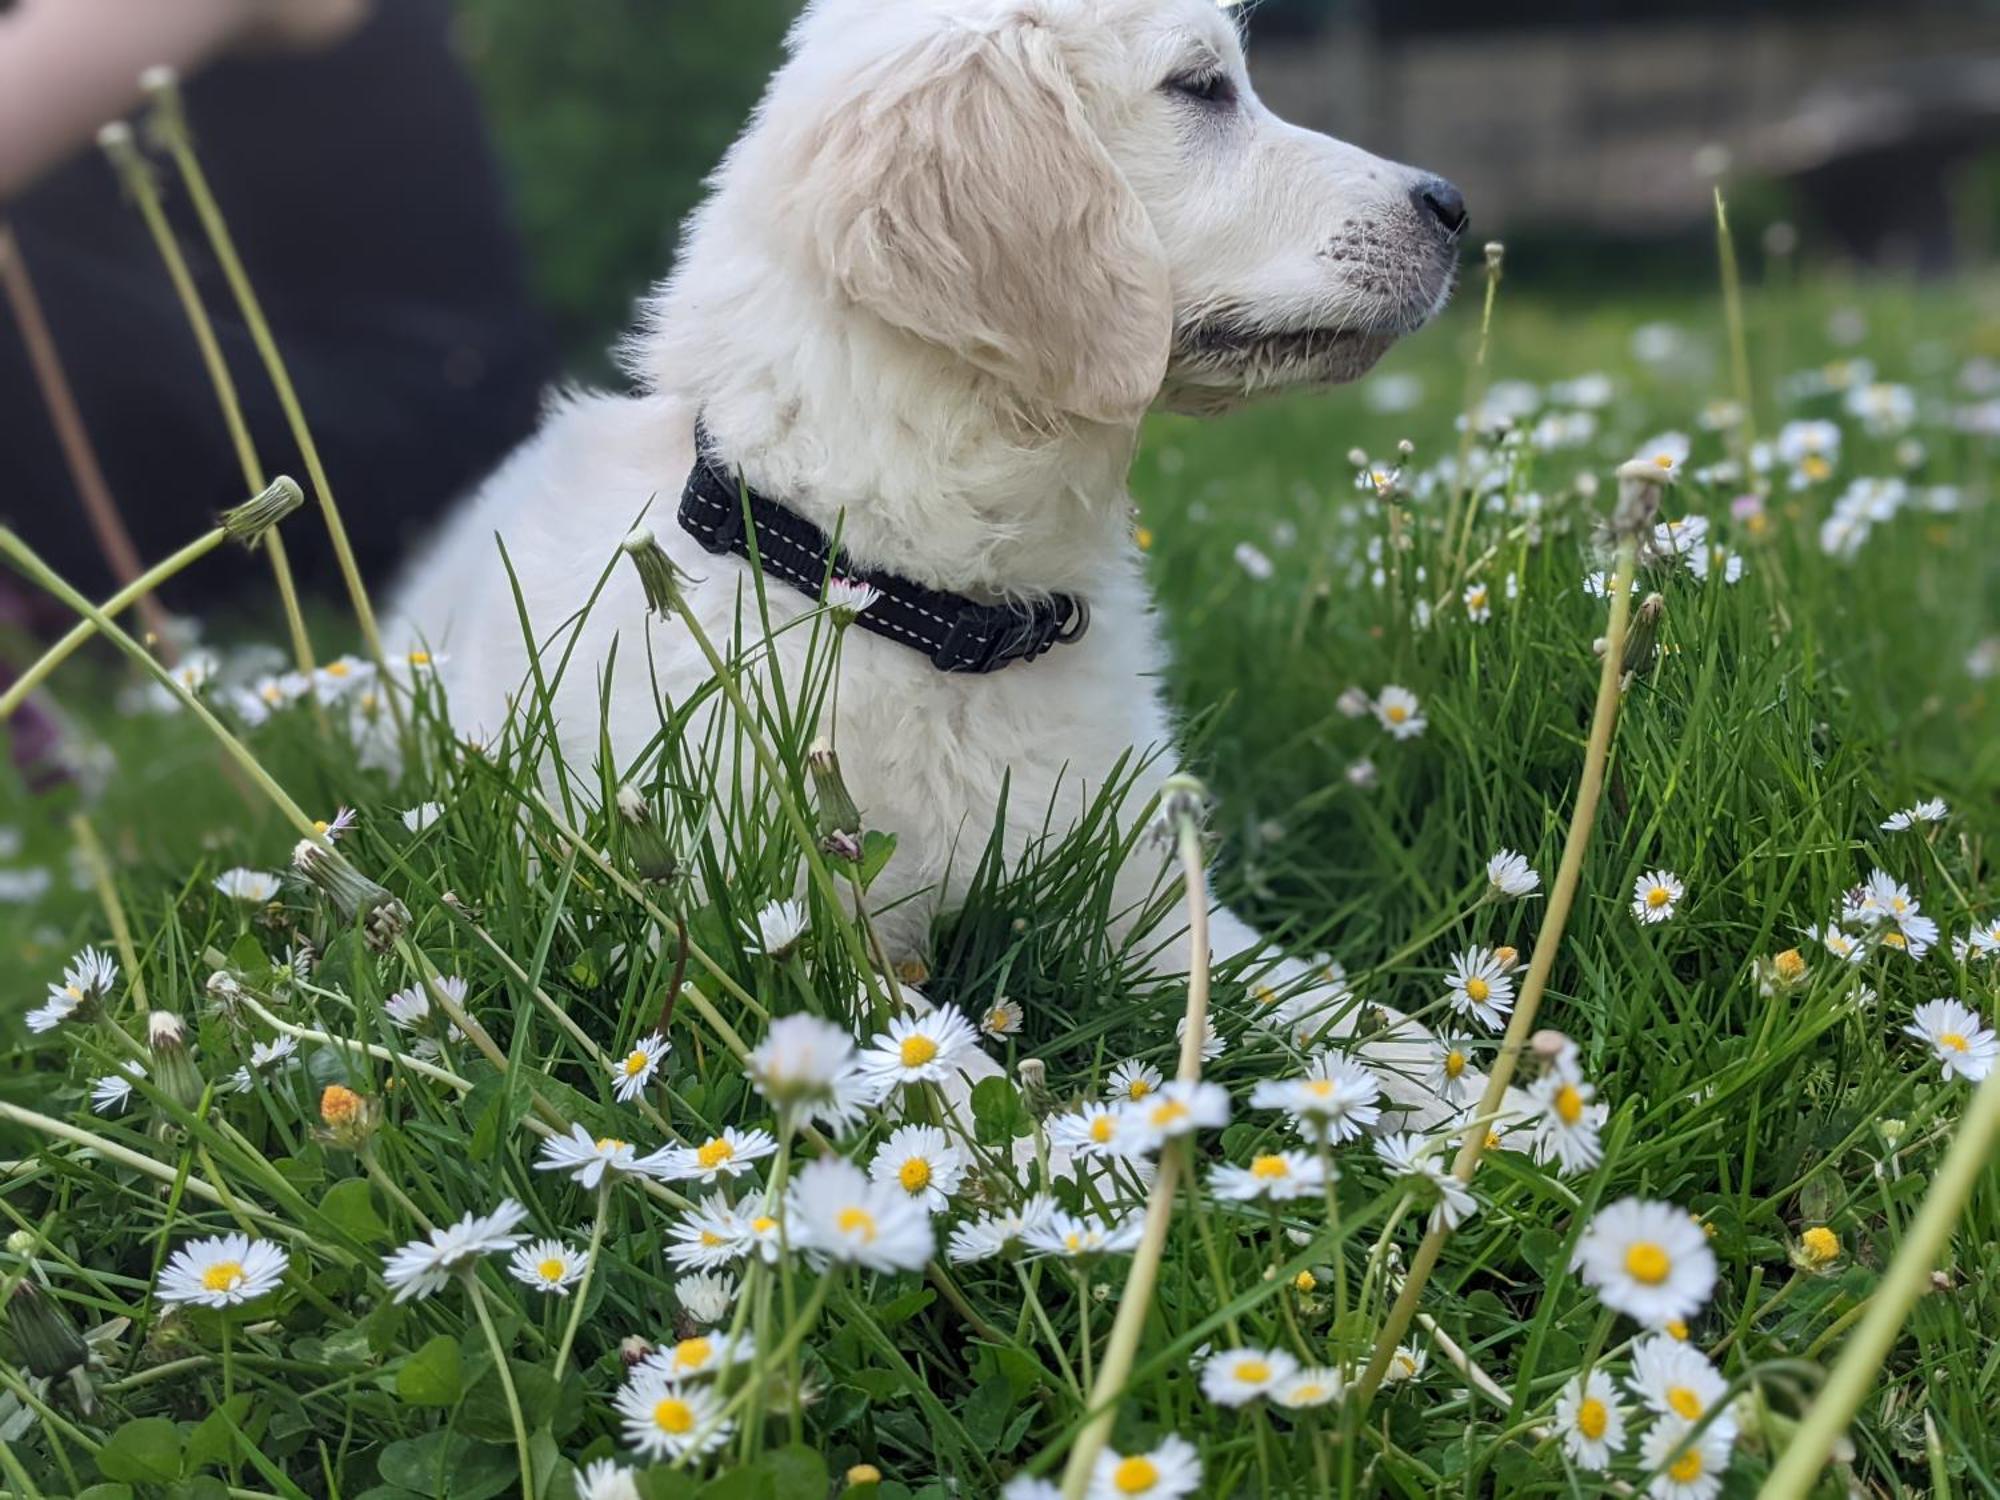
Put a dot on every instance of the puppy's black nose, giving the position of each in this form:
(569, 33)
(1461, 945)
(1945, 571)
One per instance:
(1443, 202)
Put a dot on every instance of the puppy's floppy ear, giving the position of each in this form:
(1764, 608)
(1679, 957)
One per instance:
(961, 195)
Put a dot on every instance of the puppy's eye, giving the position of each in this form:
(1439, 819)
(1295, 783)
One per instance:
(1210, 87)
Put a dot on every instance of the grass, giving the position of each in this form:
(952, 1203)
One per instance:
(1772, 727)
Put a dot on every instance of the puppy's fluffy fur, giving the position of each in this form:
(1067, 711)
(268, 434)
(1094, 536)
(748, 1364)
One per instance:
(961, 249)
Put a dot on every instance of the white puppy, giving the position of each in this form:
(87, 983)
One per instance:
(960, 251)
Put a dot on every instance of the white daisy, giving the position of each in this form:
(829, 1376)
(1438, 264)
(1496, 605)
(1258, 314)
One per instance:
(1180, 1108)
(1278, 1175)
(1647, 1259)
(1590, 1421)
(1335, 1096)
(1450, 1071)
(1076, 1235)
(990, 1234)
(111, 1093)
(917, 1049)
(807, 1064)
(1165, 1472)
(422, 816)
(1099, 1130)
(779, 926)
(705, 1297)
(222, 1271)
(703, 1354)
(549, 1266)
(1963, 1047)
(1132, 1080)
(1656, 896)
(1407, 1363)
(919, 1160)
(667, 1421)
(848, 597)
(1002, 1019)
(605, 1479)
(1511, 875)
(1479, 986)
(410, 1010)
(425, 1266)
(251, 887)
(1211, 1039)
(1478, 603)
(1676, 1380)
(1840, 944)
(1681, 538)
(1399, 711)
(632, 1074)
(726, 1155)
(1879, 898)
(713, 1233)
(1315, 1385)
(1566, 1121)
(1413, 1158)
(1984, 939)
(1689, 1468)
(1237, 1377)
(588, 1160)
(271, 1056)
(835, 1211)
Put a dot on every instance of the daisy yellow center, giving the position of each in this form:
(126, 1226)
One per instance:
(609, 1143)
(1658, 896)
(1569, 1104)
(711, 1240)
(1167, 1112)
(1894, 940)
(714, 1153)
(551, 1269)
(1403, 1365)
(1320, 1088)
(1102, 1129)
(858, 1222)
(1299, 1395)
(996, 1020)
(1687, 1468)
(636, 1063)
(1677, 1330)
(271, 692)
(675, 1416)
(1454, 1063)
(1592, 1418)
(1072, 1241)
(1953, 1040)
(337, 669)
(1138, 1088)
(692, 1354)
(763, 1224)
(1648, 1262)
(1815, 467)
(915, 1175)
(223, 1276)
(1270, 1167)
(1265, 995)
(1477, 599)
(321, 825)
(1253, 1372)
(73, 992)
(1135, 1476)
(1396, 713)
(917, 1050)
(1684, 1401)
(420, 658)
(1663, 460)
(1477, 988)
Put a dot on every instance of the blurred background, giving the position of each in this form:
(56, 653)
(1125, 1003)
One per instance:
(1587, 133)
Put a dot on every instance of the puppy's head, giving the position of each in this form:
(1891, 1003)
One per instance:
(1086, 200)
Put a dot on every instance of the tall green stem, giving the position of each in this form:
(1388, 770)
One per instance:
(1561, 896)
(583, 1285)
(471, 1278)
(1907, 1279)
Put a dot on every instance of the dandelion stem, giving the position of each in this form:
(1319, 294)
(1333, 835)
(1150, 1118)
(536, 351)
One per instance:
(171, 126)
(1136, 1300)
(583, 1285)
(107, 895)
(160, 1171)
(139, 588)
(471, 1279)
(137, 178)
(1562, 894)
(1907, 1279)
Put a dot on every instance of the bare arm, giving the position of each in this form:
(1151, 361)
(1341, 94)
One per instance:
(68, 66)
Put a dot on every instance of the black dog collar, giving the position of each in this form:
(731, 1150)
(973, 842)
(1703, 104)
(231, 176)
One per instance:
(957, 634)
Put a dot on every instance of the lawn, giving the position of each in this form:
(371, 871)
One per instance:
(464, 1007)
